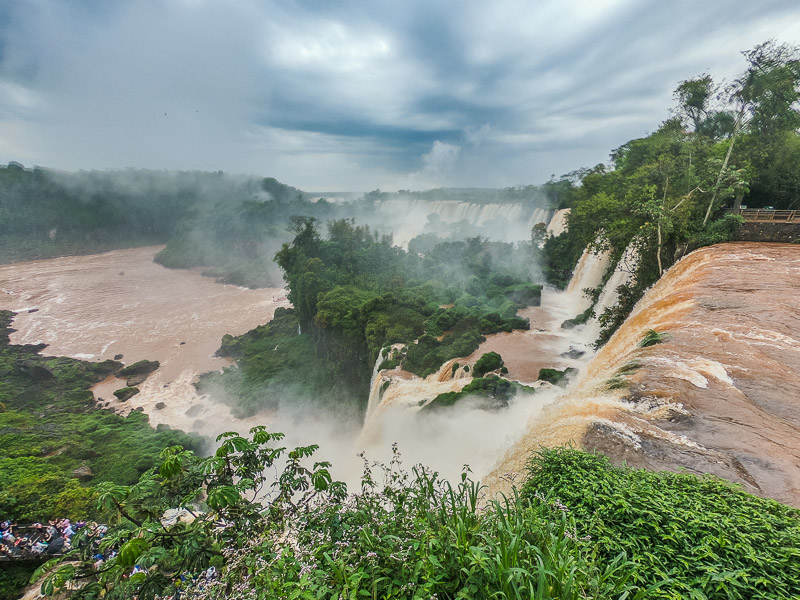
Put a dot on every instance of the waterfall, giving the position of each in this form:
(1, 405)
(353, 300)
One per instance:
(539, 215)
(588, 274)
(623, 273)
(515, 219)
(374, 390)
(558, 223)
(717, 394)
(406, 390)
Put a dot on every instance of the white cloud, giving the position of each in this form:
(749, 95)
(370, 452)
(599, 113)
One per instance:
(340, 96)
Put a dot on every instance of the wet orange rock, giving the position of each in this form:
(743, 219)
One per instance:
(720, 394)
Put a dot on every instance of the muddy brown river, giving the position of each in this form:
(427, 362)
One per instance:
(99, 306)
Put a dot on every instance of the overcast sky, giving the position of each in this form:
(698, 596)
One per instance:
(357, 95)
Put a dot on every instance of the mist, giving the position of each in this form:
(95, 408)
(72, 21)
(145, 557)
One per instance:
(229, 228)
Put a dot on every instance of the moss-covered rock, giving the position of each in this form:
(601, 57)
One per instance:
(126, 393)
(142, 367)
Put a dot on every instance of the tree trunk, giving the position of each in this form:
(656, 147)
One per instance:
(737, 203)
(736, 128)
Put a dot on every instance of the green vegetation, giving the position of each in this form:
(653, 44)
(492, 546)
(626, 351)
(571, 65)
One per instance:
(579, 529)
(578, 320)
(555, 376)
(696, 537)
(354, 294)
(13, 580)
(491, 361)
(664, 194)
(493, 391)
(273, 363)
(651, 338)
(55, 444)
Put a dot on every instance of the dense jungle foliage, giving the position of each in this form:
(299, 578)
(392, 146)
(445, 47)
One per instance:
(579, 529)
(46, 213)
(354, 294)
(664, 194)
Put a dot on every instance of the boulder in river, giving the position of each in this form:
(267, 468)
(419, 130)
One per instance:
(136, 379)
(126, 393)
(194, 411)
(573, 353)
(142, 367)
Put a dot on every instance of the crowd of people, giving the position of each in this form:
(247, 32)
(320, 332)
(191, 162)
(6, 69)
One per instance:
(45, 540)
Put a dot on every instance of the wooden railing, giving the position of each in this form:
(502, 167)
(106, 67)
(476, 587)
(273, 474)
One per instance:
(761, 214)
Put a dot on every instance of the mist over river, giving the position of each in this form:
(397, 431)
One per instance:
(98, 306)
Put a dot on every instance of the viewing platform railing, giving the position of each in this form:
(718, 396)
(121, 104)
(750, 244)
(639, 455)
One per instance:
(762, 214)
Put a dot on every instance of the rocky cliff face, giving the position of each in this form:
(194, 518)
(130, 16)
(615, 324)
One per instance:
(759, 231)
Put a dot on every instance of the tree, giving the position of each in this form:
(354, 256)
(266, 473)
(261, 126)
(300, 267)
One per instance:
(693, 96)
(247, 487)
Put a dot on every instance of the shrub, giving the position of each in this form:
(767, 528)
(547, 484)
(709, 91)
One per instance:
(555, 376)
(695, 537)
(651, 338)
(491, 361)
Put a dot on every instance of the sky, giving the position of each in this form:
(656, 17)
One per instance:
(354, 96)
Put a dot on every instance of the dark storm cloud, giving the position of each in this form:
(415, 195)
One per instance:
(356, 95)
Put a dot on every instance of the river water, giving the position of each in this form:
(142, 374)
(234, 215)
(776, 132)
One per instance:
(720, 394)
(99, 306)
(121, 302)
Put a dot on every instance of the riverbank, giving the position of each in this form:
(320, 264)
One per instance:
(100, 306)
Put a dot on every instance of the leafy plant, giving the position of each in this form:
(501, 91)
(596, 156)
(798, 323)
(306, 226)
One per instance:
(651, 338)
(490, 361)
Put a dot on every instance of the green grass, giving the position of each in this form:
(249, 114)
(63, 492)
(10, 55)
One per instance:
(579, 529)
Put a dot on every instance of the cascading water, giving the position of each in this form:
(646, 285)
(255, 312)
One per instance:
(397, 396)
(558, 222)
(623, 273)
(718, 394)
(374, 393)
(513, 220)
(588, 274)
(539, 215)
